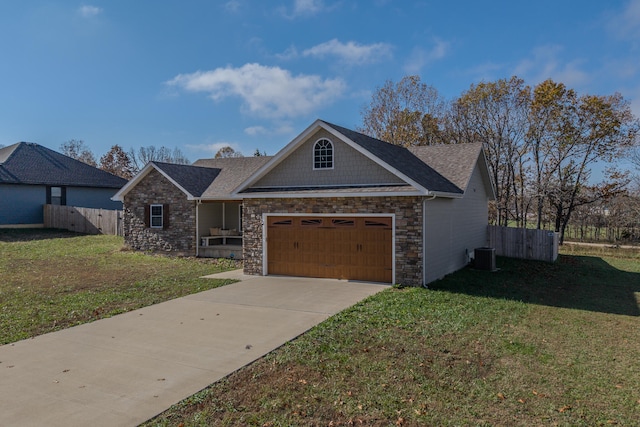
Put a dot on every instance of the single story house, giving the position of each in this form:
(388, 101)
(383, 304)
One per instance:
(32, 175)
(332, 203)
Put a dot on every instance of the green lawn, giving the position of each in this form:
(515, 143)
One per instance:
(534, 344)
(51, 280)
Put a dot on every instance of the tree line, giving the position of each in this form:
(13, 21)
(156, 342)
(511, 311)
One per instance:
(541, 142)
(126, 164)
(120, 162)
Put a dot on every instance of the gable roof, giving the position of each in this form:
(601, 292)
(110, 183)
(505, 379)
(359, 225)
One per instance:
(446, 175)
(192, 179)
(402, 159)
(208, 179)
(30, 163)
(443, 170)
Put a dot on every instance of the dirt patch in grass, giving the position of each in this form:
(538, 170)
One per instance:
(52, 280)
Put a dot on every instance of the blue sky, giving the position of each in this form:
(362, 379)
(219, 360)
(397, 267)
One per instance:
(199, 75)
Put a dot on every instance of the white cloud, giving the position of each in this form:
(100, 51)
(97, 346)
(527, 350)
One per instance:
(626, 24)
(290, 53)
(420, 57)
(281, 129)
(544, 63)
(87, 11)
(256, 130)
(351, 52)
(270, 92)
(232, 6)
(212, 147)
(307, 7)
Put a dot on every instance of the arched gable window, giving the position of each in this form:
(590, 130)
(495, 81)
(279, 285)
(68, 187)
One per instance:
(323, 154)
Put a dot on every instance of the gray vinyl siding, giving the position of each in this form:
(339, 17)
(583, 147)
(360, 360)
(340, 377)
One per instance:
(95, 198)
(454, 226)
(22, 204)
(350, 167)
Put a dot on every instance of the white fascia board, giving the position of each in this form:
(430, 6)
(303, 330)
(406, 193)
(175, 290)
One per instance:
(446, 195)
(291, 195)
(484, 170)
(278, 157)
(375, 159)
(219, 198)
(319, 124)
(119, 196)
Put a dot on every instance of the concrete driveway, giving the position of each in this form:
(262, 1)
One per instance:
(126, 369)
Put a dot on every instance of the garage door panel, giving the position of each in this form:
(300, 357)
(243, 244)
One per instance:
(347, 248)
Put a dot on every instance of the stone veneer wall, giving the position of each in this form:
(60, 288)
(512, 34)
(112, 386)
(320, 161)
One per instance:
(408, 233)
(180, 237)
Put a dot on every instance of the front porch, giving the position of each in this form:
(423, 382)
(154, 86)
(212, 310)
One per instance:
(219, 229)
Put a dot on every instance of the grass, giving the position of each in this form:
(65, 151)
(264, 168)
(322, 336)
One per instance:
(533, 344)
(50, 280)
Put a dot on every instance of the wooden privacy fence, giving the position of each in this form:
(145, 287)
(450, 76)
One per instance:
(524, 243)
(83, 220)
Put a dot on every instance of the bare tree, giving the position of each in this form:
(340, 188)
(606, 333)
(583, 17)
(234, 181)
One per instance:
(496, 114)
(76, 149)
(151, 153)
(227, 151)
(594, 129)
(117, 162)
(405, 113)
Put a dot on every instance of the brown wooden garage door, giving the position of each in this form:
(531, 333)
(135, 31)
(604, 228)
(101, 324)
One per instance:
(358, 248)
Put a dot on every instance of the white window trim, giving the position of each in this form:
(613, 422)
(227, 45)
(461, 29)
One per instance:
(151, 216)
(333, 154)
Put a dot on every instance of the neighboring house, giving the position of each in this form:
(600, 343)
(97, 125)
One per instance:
(332, 203)
(32, 175)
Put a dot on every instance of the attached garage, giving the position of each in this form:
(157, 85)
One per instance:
(351, 248)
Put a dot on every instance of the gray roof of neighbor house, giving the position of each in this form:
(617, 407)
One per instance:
(30, 163)
(233, 172)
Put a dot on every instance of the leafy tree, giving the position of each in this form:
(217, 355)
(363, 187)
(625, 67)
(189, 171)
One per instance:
(227, 151)
(540, 143)
(496, 114)
(259, 153)
(151, 153)
(405, 113)
(593, 129)
(76, 149)
(117, 162)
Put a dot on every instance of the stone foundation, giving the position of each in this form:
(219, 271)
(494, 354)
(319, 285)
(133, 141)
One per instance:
(408, 232)
(179, 237)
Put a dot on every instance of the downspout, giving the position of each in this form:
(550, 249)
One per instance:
(424, 238)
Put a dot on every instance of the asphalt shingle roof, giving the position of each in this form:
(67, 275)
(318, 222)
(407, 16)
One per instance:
(445, 169)
(194, 179)
(403, 160)
(233, 172)
(454, 161)
(30, 163)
